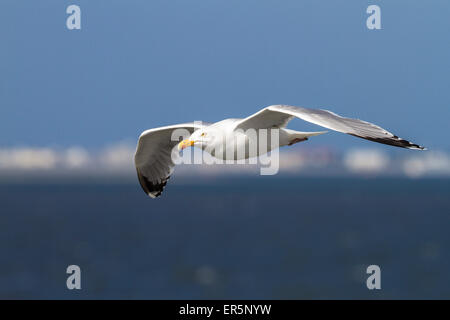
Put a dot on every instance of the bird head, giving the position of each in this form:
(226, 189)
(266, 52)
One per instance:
(199, 138)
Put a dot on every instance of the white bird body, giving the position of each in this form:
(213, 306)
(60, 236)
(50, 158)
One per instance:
(245, 140)
(237, 139)
(224, 141)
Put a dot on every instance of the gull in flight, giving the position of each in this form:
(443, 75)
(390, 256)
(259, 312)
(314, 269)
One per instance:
(154, 162)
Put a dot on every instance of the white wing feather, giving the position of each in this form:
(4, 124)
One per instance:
(280, 115)
(153, 158)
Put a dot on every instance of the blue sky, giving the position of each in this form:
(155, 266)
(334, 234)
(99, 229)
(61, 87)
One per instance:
(141, 64)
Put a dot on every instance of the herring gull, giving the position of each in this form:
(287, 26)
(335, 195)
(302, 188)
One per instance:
(155, 149)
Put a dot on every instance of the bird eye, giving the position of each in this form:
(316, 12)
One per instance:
(203, 134)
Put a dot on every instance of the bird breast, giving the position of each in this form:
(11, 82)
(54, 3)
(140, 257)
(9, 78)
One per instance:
(238, 145)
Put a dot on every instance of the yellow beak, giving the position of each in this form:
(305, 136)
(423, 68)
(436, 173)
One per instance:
(185, 143)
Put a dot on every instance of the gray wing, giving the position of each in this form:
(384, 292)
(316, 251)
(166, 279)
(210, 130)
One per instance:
(153, 158)
(280, 115)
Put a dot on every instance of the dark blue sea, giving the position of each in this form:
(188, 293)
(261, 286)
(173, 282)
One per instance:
(258, 238)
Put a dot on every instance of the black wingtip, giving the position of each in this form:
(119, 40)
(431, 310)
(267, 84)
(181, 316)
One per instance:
(394, 141)
(407, 144)
(153, 190)
(417, 147)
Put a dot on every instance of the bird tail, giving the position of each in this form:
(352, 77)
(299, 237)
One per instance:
(299, 136)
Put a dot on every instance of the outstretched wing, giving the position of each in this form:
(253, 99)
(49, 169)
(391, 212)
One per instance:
(280, 115)
(153, 158)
